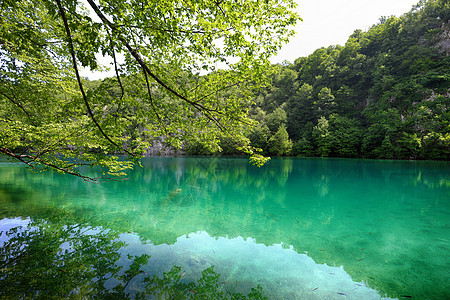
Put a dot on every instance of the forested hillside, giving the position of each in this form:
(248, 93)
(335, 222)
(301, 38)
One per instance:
(384, 94)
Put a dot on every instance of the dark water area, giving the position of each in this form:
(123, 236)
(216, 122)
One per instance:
(300, 228)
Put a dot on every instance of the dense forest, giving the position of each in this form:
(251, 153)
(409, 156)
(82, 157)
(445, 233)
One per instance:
(384, 94)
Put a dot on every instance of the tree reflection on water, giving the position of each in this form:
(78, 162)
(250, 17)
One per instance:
(59, 258)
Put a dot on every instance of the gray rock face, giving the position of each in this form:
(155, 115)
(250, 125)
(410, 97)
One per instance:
(159, 147)
(443, 43)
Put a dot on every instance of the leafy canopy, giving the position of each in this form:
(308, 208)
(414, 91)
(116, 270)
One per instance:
(180, 59)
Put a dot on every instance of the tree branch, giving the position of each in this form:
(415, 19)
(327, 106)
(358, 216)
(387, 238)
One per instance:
(116, 69)
(66, 170)
(17, 104)
(152, 104)
(141, 62)
(80, 84)
(19, 157)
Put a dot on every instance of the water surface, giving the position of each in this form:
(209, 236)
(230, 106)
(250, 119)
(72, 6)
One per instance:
(301, 228)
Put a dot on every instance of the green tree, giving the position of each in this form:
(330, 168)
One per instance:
(322, 138)
(279, 143)
(299, 110)
(325, 104)
(408, 146)
(345, 136)
(283, 86)
(277, 118)
(259, 136)
(303, 147)
(384, 94)
(377, 139)
(51, 119)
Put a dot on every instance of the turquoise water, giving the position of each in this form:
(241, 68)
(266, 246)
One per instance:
(301, 228)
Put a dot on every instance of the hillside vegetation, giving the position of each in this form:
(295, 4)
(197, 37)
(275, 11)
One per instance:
(384, 94)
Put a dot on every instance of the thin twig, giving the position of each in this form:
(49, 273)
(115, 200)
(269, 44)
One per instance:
(152, 104)
(17, 104)
(140, 61)
(66, 170)
(80, 84)
(116, 69)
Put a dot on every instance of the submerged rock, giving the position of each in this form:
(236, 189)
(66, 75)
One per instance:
(196, 261)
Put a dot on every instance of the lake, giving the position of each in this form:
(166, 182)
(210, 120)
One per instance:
(299, 228)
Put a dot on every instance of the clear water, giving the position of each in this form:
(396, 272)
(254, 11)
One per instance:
(301, 228)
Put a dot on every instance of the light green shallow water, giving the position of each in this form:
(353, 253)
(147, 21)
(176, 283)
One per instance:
(302, 228)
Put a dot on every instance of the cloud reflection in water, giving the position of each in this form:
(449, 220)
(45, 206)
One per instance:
(282, 272)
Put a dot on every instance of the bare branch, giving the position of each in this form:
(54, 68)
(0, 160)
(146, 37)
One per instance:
(68, 171)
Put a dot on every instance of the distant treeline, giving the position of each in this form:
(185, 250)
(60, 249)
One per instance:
(385, 94)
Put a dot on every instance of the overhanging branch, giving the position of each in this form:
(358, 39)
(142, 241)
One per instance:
(80, 84)
(17, 104)
(145, 67)
(29, 159)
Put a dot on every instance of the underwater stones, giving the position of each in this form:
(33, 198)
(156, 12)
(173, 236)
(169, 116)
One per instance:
(196, 261)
